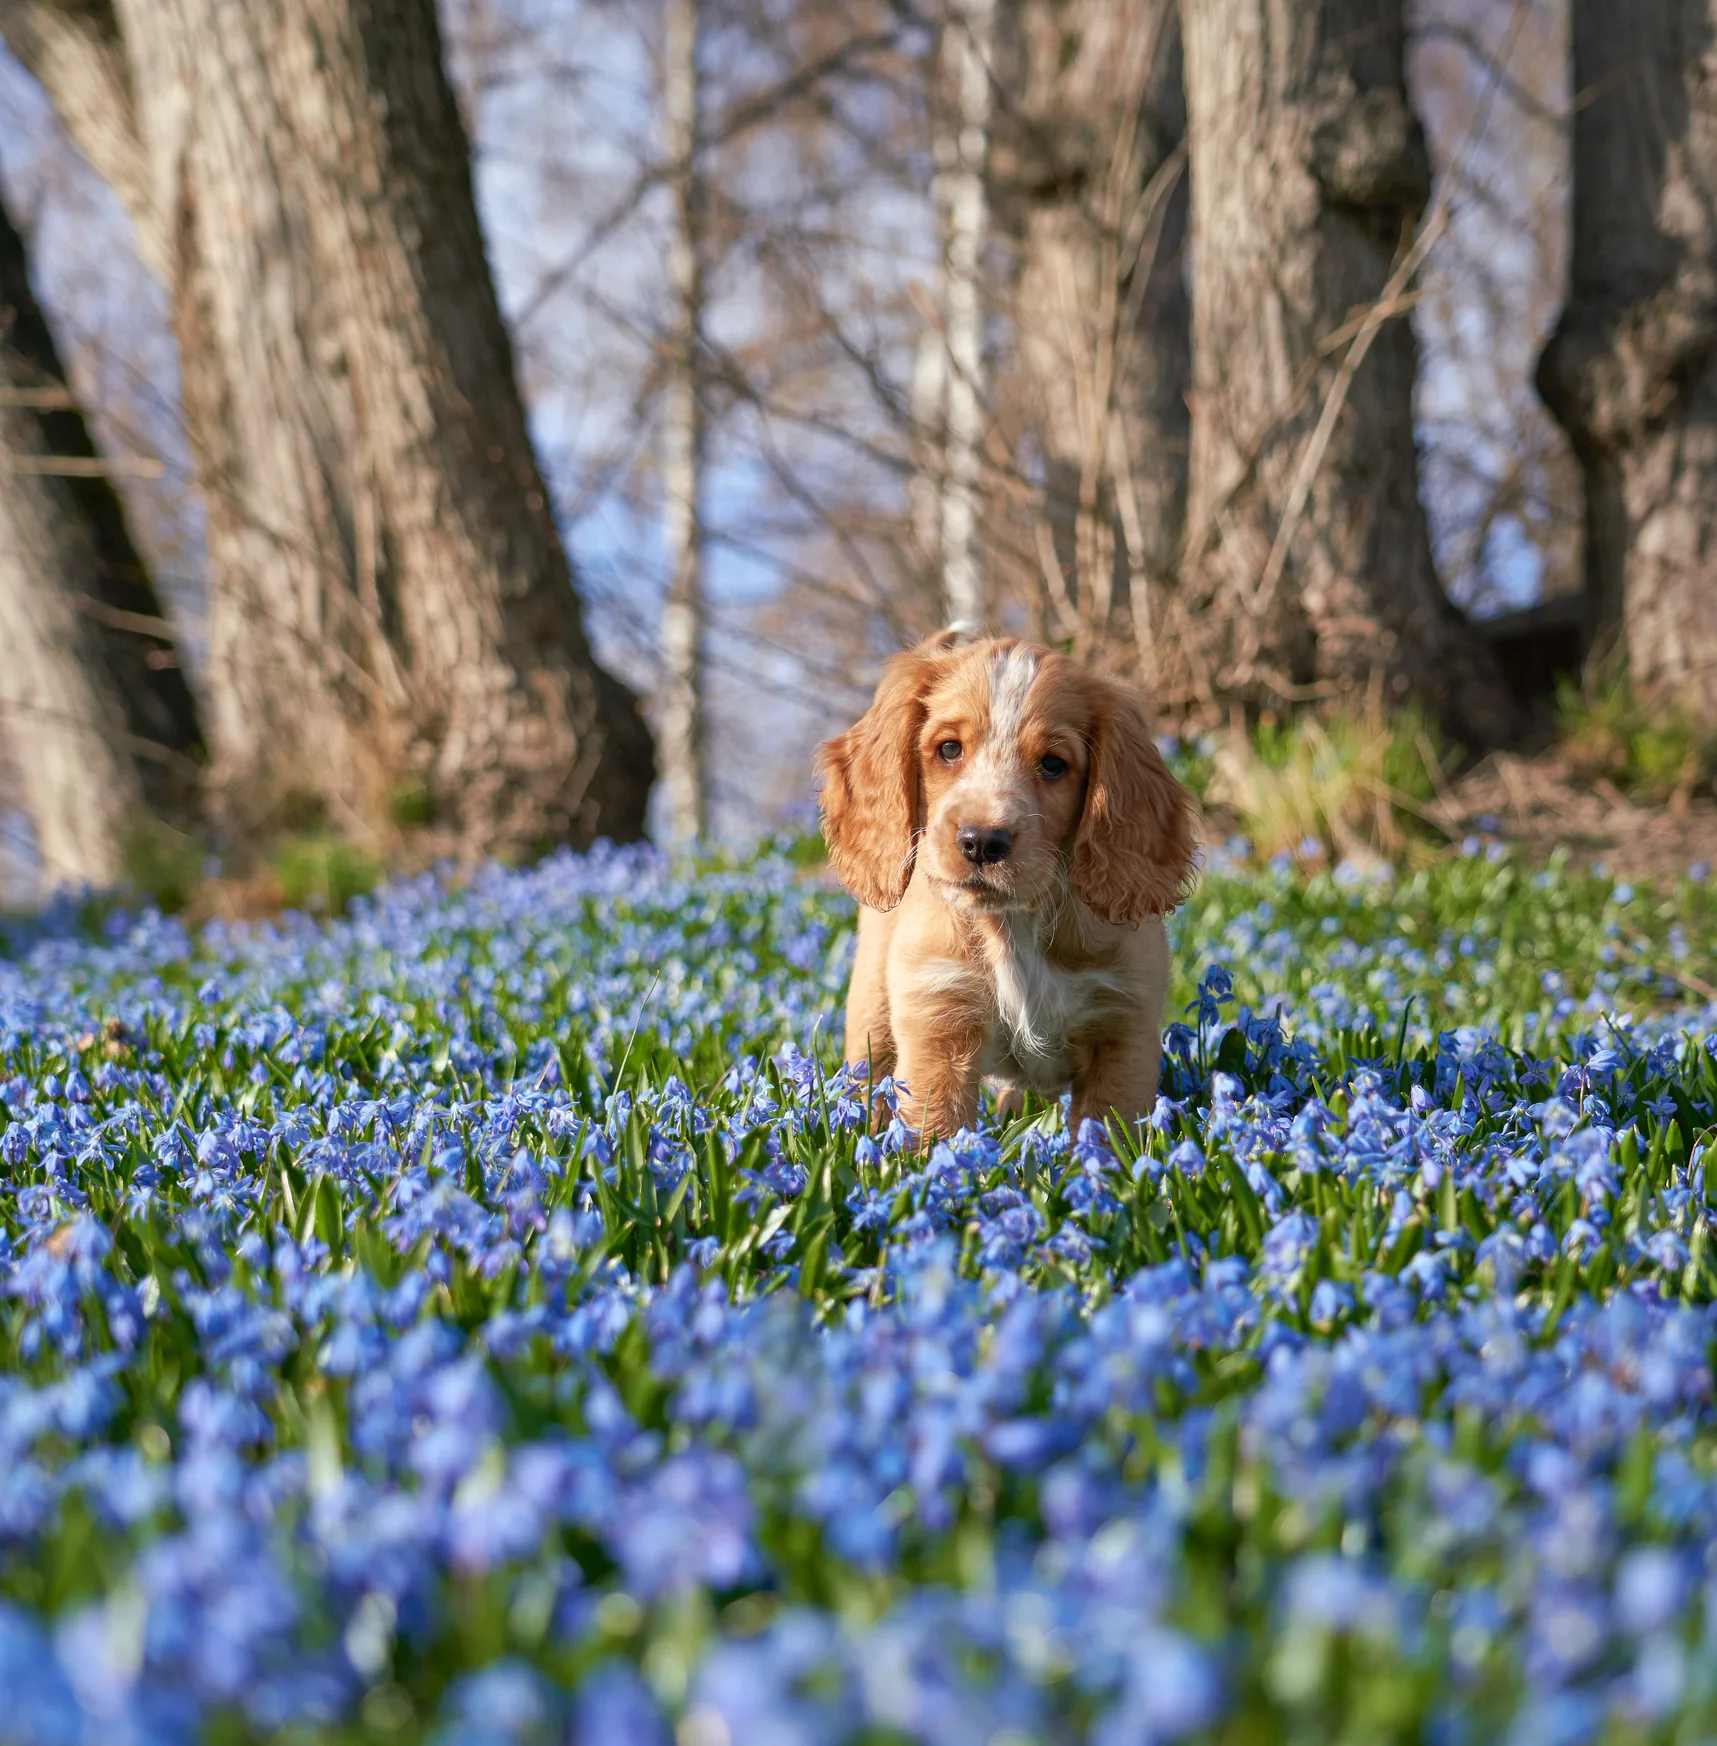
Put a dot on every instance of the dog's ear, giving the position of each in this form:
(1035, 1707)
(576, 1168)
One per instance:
(1133, 853)
(871, 797)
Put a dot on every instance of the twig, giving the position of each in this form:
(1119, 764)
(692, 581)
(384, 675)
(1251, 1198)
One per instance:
(1693, 984)
(1617, 801)
(1505, 769)
(80, 467)
(1434, 768)
(138, 623)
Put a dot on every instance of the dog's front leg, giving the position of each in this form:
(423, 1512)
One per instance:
(870, 1033)
(939, 1061)
(1119, 1077)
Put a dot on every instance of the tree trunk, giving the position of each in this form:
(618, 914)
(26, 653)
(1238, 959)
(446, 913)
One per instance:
(1631, 371)
(93, 702)
(680, 738)
(1308, 171)
(389, 604)
(961, 149)
(928, 410)
(1101, 307)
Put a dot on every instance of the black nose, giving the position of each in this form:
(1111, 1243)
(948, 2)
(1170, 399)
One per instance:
(981, 847)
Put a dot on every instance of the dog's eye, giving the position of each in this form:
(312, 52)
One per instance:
(949, 751)
(1050, 766)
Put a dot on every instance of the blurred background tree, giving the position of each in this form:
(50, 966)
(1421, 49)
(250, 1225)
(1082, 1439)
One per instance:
(93, 700)
(1307, 558)
(1631, 370)
(1093, 178)
(389, 608)
(827, 324)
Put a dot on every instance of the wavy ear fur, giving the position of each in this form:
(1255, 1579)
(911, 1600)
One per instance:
(871, 800)
(1133, 852)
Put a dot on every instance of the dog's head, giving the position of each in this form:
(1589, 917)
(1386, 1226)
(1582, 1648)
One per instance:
(1006, 772)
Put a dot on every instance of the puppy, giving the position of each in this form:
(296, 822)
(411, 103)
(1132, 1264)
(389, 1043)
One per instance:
(1006, 821)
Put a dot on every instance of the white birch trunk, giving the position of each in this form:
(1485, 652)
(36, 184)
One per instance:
(680, 747)
(966, 49)
(929, 406)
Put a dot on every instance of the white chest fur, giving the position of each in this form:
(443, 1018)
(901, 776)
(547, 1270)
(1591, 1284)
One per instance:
(1039, 1006)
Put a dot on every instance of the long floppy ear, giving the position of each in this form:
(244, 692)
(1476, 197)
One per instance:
(1133, 854)
(870, 796)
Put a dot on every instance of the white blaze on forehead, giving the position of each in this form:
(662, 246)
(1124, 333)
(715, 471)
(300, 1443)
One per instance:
(1011, 675)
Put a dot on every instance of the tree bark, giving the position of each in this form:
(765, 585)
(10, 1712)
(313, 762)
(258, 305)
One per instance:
(1308, 170)
(680, 737)
(389, 601)
(1101, 307)
(1631, 370)
(94, 705)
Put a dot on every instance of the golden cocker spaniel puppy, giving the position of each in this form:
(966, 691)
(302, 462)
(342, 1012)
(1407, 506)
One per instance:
(1014, 836)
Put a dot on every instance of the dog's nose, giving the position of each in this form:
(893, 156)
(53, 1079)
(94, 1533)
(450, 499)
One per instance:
(981, 846)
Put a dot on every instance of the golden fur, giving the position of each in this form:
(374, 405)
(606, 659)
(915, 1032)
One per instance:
(1046, 967)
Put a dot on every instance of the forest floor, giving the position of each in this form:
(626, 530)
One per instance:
(1540, 803)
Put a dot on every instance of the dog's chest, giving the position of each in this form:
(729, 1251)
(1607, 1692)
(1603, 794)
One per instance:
(1039, 1007)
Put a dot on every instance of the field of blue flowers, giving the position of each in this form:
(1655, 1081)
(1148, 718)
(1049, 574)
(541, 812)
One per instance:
(488, 1317)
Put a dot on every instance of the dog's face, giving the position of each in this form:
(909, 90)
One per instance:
(1009, 774)
(1002, 758)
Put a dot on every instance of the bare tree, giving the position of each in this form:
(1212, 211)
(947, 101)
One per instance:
(680, 732)
(93, 703)
(1096, 189)
(1631, 371)
(1308, 564)
(389, 601)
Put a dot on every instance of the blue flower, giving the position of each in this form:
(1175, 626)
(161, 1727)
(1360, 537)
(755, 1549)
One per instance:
(355, 1295)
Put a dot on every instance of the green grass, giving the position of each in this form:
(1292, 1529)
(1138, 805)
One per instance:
(1651, 752)
(1385, 1249)
(322, 873)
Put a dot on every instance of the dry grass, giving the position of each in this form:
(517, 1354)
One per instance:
(1356, 784)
